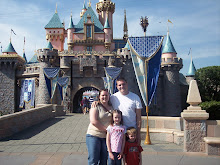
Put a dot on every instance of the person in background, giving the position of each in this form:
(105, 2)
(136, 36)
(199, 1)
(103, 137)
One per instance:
(84, 105)
(115, 138)
(100, 119)
(132, 150)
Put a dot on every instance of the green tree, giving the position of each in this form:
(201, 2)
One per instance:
(208, 80)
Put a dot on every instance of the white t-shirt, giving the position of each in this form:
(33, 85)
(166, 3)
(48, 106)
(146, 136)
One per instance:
(127, 104)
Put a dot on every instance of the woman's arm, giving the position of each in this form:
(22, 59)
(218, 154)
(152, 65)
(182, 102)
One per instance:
(94, 119)
(109, 146)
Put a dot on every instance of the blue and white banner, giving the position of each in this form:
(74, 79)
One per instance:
(51, 76)
(27, 92)
(62, 85)
(146, 59)
(112, 73)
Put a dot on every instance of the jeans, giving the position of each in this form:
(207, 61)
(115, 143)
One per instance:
(116, 161)
(97, 150)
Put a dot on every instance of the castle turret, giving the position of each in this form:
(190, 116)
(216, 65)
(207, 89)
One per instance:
(107, 30)
(48, 57)
(191, 72)
(84, 9)
(106, 8)
(170, 67)
(10, 64)
(55, 32)
(70, 31)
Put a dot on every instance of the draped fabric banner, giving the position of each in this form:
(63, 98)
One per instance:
(51, 76)
(27, 92)
(62, 85)
(105, 82)
(146, 59)
(112, 73)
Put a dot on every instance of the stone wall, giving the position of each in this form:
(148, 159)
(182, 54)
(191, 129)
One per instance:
(7, 90)
(16, 122)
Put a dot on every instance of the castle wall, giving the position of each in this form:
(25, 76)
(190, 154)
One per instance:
(99, 48)
(78, 48)
(78, 36)
(7, 90)
(99, 36)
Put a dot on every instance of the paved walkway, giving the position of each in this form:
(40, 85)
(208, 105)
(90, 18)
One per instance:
(61, 141)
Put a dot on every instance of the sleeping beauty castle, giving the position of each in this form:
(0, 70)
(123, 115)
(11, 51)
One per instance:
(94, 60)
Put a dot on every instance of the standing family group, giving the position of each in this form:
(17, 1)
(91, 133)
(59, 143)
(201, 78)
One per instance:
(114, 130)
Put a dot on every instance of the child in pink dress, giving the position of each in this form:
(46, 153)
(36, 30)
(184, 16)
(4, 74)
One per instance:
(115, 138)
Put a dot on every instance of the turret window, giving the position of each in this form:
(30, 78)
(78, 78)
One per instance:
(88, 31)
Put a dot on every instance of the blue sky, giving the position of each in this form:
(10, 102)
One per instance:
(196, 24)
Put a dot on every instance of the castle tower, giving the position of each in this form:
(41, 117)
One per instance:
(48, 58)
(191, 72)
(170, 67)
(70, 31)
(10, 64)
(106, 8)
(107, 30)
(125, 37)
(84, 9)
(55, 32)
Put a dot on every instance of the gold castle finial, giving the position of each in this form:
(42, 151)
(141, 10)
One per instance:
(56, 8)
(89, 3)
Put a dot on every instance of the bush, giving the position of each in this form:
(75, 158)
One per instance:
(213, 108)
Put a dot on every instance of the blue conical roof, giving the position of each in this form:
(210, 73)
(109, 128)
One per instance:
(24, 56)
(9, 48)
(192, 69)
(49, 45)
(84, 6)
(71, 26)
(168, 47)
(107, 24)
(54, 22)
(127, 46)
(33, 59)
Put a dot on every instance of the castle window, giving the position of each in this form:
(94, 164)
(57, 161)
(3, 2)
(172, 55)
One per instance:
(88, 31)
(89, 49)
(58, 32)
(53, 31)
(50, 31)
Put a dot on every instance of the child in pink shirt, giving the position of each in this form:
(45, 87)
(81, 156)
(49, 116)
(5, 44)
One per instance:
(115, 138)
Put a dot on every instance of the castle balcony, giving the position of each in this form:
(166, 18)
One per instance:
(175, 63)
(99, 54)
(46, 54)
(88, 42)
(11, 61)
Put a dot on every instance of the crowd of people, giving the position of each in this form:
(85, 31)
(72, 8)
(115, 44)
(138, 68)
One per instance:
(113, 134)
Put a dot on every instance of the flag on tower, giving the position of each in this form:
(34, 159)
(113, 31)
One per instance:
(13, 31)
(170, 21)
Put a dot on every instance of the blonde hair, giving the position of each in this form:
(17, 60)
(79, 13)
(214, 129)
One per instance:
(131, 130)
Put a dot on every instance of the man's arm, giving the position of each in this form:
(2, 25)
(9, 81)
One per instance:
(138, 120)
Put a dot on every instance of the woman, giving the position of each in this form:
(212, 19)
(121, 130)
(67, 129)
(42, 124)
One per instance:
(100, 119)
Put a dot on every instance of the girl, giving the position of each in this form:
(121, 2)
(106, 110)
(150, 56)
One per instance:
(115, 138)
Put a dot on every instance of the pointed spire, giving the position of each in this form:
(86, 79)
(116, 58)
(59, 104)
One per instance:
(71, 26)
(49, 45)
(192, 69)
(24, 56)
(56, 8)
(168, 47)
(9, 49)
(125, 26)
(84, 5)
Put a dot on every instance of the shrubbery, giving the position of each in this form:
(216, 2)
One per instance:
(213, 108)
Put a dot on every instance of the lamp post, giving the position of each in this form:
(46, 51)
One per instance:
(144, 24)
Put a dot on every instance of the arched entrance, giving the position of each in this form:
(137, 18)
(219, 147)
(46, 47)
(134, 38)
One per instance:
(88, 92)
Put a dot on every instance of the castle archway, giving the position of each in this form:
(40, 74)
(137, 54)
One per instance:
(83, 92)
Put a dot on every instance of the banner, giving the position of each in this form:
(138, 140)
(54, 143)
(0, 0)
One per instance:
(146, 59)
(112, 73)
(62, 85)
(27, 92)
(51, 76)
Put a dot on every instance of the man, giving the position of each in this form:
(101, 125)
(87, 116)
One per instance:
(130, 106)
